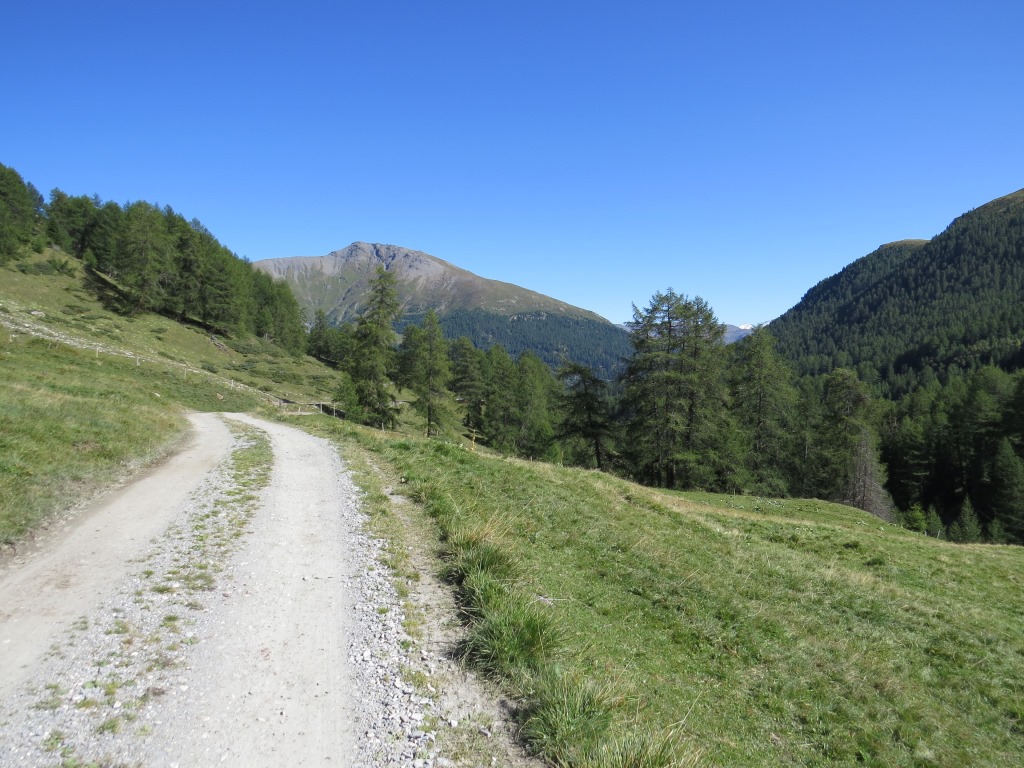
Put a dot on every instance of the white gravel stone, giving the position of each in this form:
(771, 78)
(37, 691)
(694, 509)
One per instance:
(155, 676)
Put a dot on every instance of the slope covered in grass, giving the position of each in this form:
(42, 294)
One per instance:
(72, 421)
(765, 632)
(87, 394)
(637, 628)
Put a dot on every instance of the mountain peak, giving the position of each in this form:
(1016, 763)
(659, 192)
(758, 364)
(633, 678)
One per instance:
(488, 311)
(335, 283)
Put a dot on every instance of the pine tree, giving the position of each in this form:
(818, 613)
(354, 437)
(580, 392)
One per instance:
(933, 524)
(500, 417)
(467, 366)
(374, 341)
(346, 397)
(675, 394)
(848, 447)
(19, 212)
(764, 402)
(976, 427)
(428, 372)
(534, 395)
(1007, 481)
(69, 222)
(865, 480)
(995, 533)
(144, 259)
(101, 244)
(908, 442)
(585, 413)
(914, 519)
(966, 529)
(318, 341)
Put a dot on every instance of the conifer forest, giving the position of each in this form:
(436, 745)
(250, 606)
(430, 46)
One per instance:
(895, 386)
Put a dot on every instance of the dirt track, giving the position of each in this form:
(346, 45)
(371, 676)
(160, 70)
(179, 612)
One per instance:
(274, 686)
(183, 621)
(40, 597)
(269, 680)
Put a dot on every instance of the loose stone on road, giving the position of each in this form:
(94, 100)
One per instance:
(289, 654)
(41, 596)
(273, 684)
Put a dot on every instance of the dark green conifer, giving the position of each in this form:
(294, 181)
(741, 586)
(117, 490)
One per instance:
(585, 412)
(374, 346)
(966, 529)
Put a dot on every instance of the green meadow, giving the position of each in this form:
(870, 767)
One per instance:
(633, 627)
(102, 394)
(746, 631)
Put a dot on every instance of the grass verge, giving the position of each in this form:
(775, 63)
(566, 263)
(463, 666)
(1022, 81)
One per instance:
(72, 422)
(644, 628)
(88, 396)
(514, 635)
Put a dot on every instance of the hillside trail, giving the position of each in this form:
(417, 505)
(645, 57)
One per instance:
(43, 591)
(294, 657)
(275, 684)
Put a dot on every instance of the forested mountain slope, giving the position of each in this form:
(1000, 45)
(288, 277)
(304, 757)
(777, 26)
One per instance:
(913, 309)
(142, 258)
(487, 311)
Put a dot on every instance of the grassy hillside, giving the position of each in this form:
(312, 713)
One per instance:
(86, 394)
(759, 632)
(634, 627)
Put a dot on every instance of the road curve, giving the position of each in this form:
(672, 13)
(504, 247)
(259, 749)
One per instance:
(66, 578)
(291, 652)
(274, 685)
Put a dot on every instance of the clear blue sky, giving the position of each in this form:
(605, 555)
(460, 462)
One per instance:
(596, 152)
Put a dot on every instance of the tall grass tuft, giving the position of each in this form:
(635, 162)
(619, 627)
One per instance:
(513, 639)
(472, 553)
(666, 750)
(509, 635)
(566, 716)
(481, 592)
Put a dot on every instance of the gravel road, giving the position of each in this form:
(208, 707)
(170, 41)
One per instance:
(43, 592)
(190, 620)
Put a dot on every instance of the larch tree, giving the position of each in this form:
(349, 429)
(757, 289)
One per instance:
(468, 384)
(20, 204)
(500, 418)
(428, 372)
(849, 447)
(145, 257)
(318, 340)
(1007, 480)
(534, 394)
(374, 349)
(764, 404)
(675, 394)
(966, 529)
(585, 411)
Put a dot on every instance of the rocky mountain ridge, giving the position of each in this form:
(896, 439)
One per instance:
(487, 311)
(336, 283)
